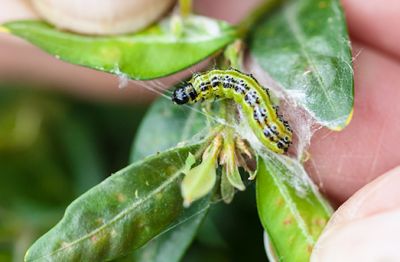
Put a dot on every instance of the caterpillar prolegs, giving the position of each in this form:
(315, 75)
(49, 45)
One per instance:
(263, 117)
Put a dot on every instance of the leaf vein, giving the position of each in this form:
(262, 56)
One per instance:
(118, 216)
(290, 15)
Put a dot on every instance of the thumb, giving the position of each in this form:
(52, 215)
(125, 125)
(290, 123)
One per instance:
(101, 17)
(366, 227)
(15, 10)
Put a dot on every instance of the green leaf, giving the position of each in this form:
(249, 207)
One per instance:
(120, 214)
(291, 210)
(152, 53)
(80, 149)
(164, 126)
(199, 181)
(226, 188)
(305, 47)
(170, 246)
(190, 161)
(174, 125)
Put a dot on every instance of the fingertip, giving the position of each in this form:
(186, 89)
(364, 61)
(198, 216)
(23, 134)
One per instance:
(380, 195)
(16, 10)
(373, 238)
(375, 23)
(365, 227)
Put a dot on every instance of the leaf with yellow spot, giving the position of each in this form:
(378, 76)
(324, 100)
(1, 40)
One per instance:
(149, 140)
(292, 211)
(122, 213)
(305, 47)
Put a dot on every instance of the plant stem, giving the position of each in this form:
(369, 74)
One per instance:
(248, 23)
(185, 7)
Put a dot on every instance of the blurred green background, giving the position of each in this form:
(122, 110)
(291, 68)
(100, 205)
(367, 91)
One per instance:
(52, 149)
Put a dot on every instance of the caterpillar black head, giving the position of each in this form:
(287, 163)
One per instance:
(184, 94)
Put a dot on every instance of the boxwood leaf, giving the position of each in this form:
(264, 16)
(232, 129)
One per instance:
(304, 46)
(174, 125)
(290, 208)
(120, 214)
(171, 246)
(152, 53)
(164, 126)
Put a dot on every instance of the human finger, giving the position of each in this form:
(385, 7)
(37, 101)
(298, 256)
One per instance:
(375, 238)
(375, 23)
(365, 228)
(15, 10)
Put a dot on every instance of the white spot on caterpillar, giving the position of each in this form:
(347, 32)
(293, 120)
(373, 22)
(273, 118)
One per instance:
(258, 116)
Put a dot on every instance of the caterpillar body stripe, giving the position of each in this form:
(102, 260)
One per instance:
(263, 117)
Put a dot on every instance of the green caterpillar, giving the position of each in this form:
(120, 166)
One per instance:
(268, 126)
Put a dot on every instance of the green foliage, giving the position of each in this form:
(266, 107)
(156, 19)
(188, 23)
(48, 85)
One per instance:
(291, 210)
(149, 140)
(171, 245)
(120, 214)
(304, 46)
(164, 126)
(152, 53)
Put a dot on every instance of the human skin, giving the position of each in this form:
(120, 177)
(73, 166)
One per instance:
(366, 227)
(341, 162)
